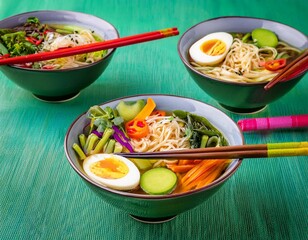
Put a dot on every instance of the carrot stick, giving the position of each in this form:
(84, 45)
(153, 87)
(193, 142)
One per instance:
(146, 110)
(198, 170)
(180, 168)
(210, 177)
(213, 175)
(190, 185)
(185, 161)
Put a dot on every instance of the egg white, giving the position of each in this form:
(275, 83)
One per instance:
(204, 59)
(129, 181)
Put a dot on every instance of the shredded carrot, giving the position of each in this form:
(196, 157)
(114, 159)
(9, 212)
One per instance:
(194, 173)
(187, 186)
(210, 177)
(201, 174)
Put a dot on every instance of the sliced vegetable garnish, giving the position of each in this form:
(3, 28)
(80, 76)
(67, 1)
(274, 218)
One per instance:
(264, 37)
(274, 65)
(158, 181)
(120, 137)
(137, 128)
(146, 110)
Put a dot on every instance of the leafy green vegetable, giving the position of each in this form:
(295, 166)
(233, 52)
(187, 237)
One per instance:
(3, 49)
(17, 45)
(200, 131)
(23, 40)
(5, 31)
(34, 20)
(104, 118)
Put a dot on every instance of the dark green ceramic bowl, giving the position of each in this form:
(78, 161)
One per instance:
(60, 85)
(150, 208)
(240, 97)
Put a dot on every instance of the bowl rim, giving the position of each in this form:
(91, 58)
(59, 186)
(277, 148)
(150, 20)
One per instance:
(221, 80)
(144, 196)
(64, 12)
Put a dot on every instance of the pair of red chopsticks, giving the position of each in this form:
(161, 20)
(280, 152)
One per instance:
(92, 47)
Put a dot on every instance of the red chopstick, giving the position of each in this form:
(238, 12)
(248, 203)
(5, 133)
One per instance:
(92, 47)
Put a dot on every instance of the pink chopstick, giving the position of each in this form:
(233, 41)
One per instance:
(256, 124)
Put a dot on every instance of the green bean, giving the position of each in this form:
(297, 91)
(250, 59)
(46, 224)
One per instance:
(82, 140)
(117, 147)
(204, 140)
(210, 126)
(79, 151)
(246, 37)
(204, 121)
(180, 113)
(206, 132)
(100, 145)
(110, 146)
(90, 143)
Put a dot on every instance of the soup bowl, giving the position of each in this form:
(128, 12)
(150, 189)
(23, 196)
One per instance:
(235, 96)
(158, 208)
(62, 84)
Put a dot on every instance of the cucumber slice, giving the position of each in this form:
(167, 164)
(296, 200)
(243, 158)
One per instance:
(264, 37)
(128, 110)
(142, 164)
(158, 181)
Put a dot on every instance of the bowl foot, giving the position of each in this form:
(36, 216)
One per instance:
(57, 99)
(152, 220)
(243, 110)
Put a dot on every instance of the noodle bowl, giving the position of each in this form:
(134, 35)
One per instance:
(54, 83)
(235, 93)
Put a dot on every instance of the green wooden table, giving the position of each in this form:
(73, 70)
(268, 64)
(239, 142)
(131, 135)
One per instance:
(41, 197)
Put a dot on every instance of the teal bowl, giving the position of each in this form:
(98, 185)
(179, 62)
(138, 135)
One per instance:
(60, 85)
(240, 97)
(151, 208)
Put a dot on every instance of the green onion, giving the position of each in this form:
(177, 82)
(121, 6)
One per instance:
(100, 145)
(82, 140)
(110, 146)
(79, 151)
(204, 140)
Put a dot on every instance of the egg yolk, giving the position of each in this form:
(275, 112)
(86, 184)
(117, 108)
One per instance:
(109, 168)
(213, 47)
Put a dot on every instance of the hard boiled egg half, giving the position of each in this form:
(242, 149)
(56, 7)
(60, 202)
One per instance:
(112, 171)
(211, 49)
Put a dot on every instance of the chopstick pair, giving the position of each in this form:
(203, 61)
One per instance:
(92, 47)
(269, 150)
(298, 65)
